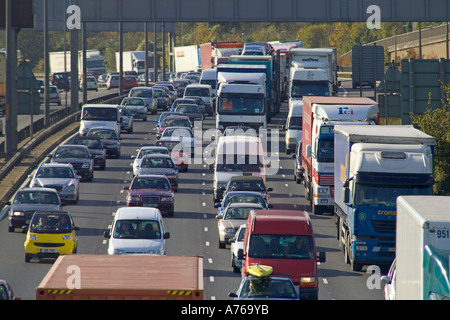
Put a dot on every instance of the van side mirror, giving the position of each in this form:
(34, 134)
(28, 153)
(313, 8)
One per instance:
(308, 151)
(106, 234)
(321, 257)
(166, 235)
(240, 254)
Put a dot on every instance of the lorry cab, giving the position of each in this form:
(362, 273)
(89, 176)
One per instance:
(283, 239)
(237, 156)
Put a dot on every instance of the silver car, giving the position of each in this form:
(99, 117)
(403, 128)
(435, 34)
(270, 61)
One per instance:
(59, 176)
(147, 94)
(127, 119)
(233, 216)
(137, 107)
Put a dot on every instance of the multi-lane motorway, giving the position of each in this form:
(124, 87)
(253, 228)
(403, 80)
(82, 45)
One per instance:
(193, 228)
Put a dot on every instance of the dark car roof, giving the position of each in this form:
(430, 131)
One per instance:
(255, 178)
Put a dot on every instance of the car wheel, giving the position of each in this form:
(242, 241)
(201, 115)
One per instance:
(27, 257)
(11, 229)
(145, 118)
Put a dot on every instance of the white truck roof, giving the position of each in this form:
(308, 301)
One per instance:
(428, 211)
(250, 78)
(350, 112)
(398, 134)
(298, 73)
(240, 88)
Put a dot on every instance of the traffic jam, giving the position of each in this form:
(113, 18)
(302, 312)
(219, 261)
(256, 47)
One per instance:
(341, 155)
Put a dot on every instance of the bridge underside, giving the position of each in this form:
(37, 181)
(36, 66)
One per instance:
(110, 12)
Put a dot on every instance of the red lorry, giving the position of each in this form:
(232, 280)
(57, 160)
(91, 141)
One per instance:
(214, 53)
(284, 240)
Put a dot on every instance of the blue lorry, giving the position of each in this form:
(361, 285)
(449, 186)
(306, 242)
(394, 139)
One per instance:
(373, 166)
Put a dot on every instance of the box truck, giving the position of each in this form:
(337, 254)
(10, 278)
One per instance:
(123, 277)
(187, 58)
(95, 62)
(132, 61)
(373, 166)
(320, 114)
(423, 248)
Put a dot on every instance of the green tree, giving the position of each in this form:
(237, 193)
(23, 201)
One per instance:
(436, 122)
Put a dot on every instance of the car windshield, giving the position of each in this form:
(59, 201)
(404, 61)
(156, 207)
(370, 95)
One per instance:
(142, 93)
(137, 229)
(144, 152)
(243, 198)
(250, 185)
(157, 163)
(243, 131)
(104, 134)
(200, 92)
(178, 132)
(150, 183)
(237, 213)
(132, 102)
(281, 246)
(63, 153)
(247, 163)
(187, 108)
(268, 288)
(98, 113)
(55, 172)
(91, 143)
(176, 123)
(36, 197)
(295, 123)
(51, 223)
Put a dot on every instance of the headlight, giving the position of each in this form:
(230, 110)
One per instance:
(322, 190)
(308, 282)
(32, 237)
(85, 165)
(166, 199)
(228, 230)
(67, 237)
(18, 214)
(68, 188)
(119, 251)
(135, 199)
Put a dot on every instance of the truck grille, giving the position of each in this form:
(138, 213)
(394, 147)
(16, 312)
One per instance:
(150, 199)
(386, 227)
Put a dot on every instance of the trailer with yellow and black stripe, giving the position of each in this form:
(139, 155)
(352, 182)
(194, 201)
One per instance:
(123, 277)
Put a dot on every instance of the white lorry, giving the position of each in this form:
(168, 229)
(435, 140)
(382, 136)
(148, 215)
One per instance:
(132, 61)
(422, 248)
(95, 62)
(241, 100)
(313, 72)
(187, 58)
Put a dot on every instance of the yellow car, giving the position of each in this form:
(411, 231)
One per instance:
(50, 234)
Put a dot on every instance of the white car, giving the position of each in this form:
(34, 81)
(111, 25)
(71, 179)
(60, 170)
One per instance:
(389, 288)
(144, 151)
(237, 243)
(137, 230)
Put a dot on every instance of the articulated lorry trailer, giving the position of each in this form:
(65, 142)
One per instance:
(320, 115)
(373, 166)
(123, 277)
(422, 248)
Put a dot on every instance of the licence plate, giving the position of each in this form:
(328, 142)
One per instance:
(49, 250)
(154, 205)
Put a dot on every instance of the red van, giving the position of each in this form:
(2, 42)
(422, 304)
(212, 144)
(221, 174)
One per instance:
(283, 239)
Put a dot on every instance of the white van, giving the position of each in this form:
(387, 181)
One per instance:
(137, 230)
(209, 76)
(99, 115)
(236, 156)
(293, 125)
(201, 90)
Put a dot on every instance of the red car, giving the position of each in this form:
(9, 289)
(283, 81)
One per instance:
(129, 82)
(151, 191)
